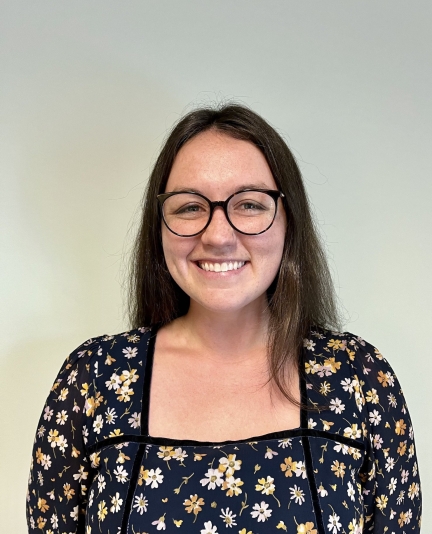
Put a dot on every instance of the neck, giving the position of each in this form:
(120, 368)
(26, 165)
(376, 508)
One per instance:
(233, 337)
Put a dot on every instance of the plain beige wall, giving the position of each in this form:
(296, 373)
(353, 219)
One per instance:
(88, 92)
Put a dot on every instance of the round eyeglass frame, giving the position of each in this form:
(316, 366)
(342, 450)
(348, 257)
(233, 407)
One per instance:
(223, 204)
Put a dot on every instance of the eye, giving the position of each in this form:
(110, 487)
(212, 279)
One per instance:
(188, 209)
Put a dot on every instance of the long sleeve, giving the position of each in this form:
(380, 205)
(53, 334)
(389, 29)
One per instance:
(60, 469)
(392, 494)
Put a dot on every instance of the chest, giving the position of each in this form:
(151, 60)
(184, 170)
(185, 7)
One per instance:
(207, 402)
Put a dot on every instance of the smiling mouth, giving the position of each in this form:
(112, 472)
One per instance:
(220, 267)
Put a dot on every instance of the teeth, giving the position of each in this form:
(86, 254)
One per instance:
(221, 267)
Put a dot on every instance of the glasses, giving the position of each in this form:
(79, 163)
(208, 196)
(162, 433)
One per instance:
(250, 211)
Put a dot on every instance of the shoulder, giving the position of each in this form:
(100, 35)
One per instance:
(343, 347)
(346, 359)
(107, 348)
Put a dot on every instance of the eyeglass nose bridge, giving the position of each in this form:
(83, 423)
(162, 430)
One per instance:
(224, 205)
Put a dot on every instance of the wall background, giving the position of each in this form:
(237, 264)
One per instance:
(88, 92)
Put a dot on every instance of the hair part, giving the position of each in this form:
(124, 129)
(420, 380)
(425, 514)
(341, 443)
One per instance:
(301, 296)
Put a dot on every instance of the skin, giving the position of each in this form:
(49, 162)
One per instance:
(210, 372)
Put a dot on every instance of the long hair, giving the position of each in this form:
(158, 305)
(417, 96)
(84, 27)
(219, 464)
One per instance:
(302, 294)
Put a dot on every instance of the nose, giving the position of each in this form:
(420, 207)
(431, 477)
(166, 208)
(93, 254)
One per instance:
(219, 231)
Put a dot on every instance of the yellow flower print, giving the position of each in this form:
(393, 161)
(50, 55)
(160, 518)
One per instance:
(53, 437)
(351, 354)
(143, 475)
(233, 486)
(265, 486)
(381, 502)
(166, 453)
(68, 491)
(243, 531)
(372, 396)
(102, 510)
(332, 364)
(383, 379)
(402, 448)
(39, 455)
(92, 403)
(325, 388)
(288, 467)
(116, 432)
(41, 522)
(42, 505)
(400, 427)
(194, 504)
(338, 468)
(306, 528)
(335, 344)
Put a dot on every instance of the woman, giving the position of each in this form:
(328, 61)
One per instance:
(233, 402)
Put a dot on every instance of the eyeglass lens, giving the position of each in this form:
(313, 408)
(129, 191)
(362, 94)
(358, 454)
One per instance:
(250, 212)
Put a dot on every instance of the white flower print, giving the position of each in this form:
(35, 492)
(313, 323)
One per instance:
(301, 470)
(392, 485)
(337, 406)
(297, 494)
(74, 513)
(110, 416)
(311, 423)
(62, 443)
(284, 443)
(141, 504)
(130, 352)
(392, 400)
(114, 382)
(46, 461)
(270, 453)
(390, 463)
(334, 525)
(261, 512)
(121, 474)
(135, 420)
(375, 417)
(101, 482)
(72, 377)
(160, 523)
(116, 502)
(214, 478)
(98, 424)
(230, 465)
(154, 478)
(309, 344)
(179, 454)
(209, 528)
(322, 491)
(377, 441)
(48, 413)
(81, 475)
(61, 417)
(54, 521)
(228, 517)
(351, 491)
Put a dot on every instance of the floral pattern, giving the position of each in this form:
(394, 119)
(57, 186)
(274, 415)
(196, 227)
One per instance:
(349, 468)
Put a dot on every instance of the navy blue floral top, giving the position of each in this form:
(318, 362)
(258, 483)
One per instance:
(349, 468)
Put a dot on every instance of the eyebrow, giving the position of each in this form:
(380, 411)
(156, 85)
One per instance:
(259, 185)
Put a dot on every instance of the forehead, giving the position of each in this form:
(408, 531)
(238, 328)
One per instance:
(215, 163)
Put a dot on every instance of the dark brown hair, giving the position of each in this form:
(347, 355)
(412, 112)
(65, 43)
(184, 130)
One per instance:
(302, 294)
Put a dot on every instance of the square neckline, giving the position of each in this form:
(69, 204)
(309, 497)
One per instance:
(163, 440)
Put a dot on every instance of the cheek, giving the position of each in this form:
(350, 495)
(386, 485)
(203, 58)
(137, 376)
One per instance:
(176, 251)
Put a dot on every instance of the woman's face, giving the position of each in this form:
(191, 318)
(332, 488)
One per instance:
(217, 165)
